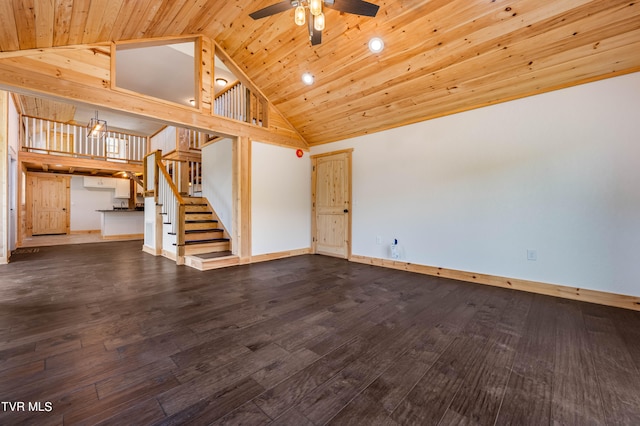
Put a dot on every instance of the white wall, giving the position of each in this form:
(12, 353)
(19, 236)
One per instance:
(558, 173)
(165, 140)
(85, 202)
(280, 199)
(217, 179)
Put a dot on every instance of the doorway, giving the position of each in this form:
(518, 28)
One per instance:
(47, 204)
(331, 203)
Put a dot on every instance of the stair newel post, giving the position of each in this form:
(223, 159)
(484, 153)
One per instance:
(180, 234)
(156, 171)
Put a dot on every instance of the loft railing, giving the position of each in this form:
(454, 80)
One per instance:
(185, 175)
(191, 139)
(238, 102)
(56, 138)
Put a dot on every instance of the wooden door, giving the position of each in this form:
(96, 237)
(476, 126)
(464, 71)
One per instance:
(49, 203)
(331, 193)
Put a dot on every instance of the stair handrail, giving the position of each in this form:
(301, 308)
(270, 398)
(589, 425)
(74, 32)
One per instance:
(172, 205)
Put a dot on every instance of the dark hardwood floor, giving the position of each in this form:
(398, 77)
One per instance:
(103, 333)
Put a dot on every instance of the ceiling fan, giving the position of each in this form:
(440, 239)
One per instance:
(310, 11)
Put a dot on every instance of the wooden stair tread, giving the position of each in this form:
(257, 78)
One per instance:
(201, 221)
(214, 255)
(207, 241)
(202, 231)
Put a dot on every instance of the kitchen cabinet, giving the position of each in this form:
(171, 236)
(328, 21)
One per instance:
(99, 182)
(122, 188)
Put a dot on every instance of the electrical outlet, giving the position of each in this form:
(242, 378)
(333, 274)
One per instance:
(378, 240)
(532, 254)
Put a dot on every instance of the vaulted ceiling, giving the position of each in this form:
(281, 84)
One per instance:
(440, 56)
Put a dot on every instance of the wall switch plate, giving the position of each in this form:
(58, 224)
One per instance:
(378, 240)
(532, 255)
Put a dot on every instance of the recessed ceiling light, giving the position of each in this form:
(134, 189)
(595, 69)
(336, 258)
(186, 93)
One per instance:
(307, 78)
(221, 82)
(376, 45)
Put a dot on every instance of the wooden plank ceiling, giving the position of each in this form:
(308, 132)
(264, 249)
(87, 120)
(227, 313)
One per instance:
(440, 56)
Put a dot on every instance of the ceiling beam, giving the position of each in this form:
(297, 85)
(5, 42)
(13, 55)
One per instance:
(71, 86)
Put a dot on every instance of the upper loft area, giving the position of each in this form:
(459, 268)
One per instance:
(165, 79)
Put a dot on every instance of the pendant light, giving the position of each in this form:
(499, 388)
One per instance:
(318, 22)
(96, 129)
(315, 7)
(299, 16)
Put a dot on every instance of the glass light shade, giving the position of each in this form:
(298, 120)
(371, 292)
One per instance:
(307, 78)
(376, 45)
(318, 22)
(315, 7)
(299, 16)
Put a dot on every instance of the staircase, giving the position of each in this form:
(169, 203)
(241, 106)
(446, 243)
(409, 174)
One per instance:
(206, 244)
(202, 233)
(189, 223)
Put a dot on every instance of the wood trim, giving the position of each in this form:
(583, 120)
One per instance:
(205, 75)
(157, 41)
(151, 250)
(68, 161)
(112, 66)
(280, 255)
(123, 237)
(209, 264)
(170, 255)
(327, 154)
(242, 198)
(573, 293)
(85, 232)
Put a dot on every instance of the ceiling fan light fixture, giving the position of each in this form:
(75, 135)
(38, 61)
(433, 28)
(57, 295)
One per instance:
(308, 79)
(318, 22)
(376, 45)
(315, 7)
(299, 16)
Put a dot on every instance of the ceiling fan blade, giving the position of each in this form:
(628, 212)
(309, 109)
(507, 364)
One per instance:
(272, 10)
(314, 35)
(356, 7)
